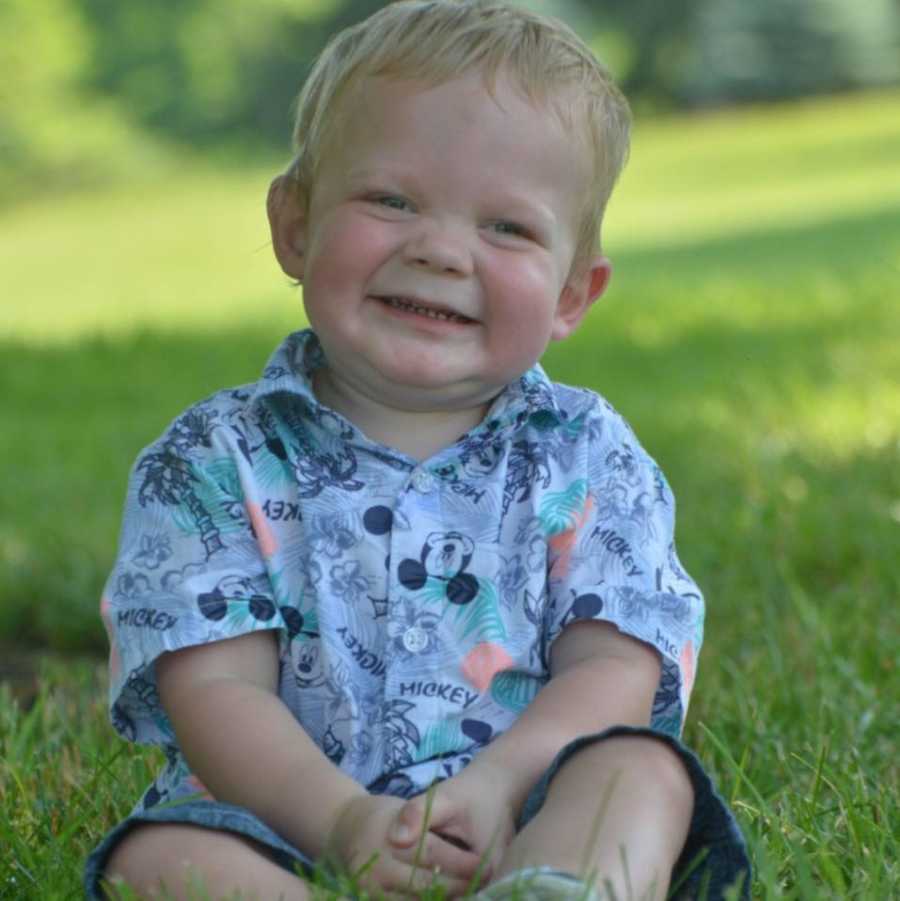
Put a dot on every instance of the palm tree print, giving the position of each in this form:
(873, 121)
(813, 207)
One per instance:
(169, 478)
(400, 732)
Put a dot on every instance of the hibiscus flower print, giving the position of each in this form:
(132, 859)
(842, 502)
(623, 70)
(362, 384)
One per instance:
(623, 462)
(331, 536)
(361, 746)
(349, 582)
(511, 580)
(537, 553)
(613, 502)
(530, 534)
(194, 429)
(130, 586)
(155, 549)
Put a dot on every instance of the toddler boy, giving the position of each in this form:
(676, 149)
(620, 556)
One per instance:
(404, 558)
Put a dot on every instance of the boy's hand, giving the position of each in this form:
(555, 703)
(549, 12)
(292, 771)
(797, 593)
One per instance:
(469, 810)
(359, 841)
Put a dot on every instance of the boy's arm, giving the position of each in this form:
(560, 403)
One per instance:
(245, 745)
(247, 748)
(600, 677)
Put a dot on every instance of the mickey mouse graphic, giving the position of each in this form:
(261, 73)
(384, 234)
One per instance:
(445, 557)
(233, 592)
(583, 606)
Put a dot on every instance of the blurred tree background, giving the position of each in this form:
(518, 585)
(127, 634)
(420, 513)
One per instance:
(92, 90)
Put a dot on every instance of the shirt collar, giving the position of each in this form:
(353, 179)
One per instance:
(290, 368)
(529, 399)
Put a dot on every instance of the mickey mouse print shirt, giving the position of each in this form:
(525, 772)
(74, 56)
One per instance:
(416, 603)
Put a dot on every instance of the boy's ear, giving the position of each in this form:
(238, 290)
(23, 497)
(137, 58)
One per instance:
(581, 290)
(286, 208)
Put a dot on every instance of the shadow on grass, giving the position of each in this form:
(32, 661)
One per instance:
(82, 412)
(756, 305)
(856, 240)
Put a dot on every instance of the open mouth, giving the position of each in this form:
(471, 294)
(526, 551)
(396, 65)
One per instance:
(412, 306)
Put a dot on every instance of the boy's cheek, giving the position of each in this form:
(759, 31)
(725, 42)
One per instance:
(346, 249)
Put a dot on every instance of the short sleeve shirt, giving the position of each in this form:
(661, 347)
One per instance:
(415, 602)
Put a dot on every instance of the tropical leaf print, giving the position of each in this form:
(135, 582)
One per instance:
(561, 510)
(271, 471)
(668, 725)
(310, 622)
(481, 618)
(184, 521)
(302, 622)
(440, 738)
(221, 494)
(571, 429)
(282, 583)
(252, 610)
(204, 509)
(401, 734)
(434, 591)
(514, 690)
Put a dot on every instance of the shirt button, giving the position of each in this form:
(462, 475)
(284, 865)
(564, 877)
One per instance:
(415, 640)
(423, 481)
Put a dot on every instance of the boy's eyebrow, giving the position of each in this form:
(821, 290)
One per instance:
(530, 206)
(367, 174)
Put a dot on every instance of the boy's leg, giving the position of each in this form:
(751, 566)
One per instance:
(189, 860)
(618, 810)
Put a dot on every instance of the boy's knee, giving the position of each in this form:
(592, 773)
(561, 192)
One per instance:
(665, 768)
(174, 859)
(153, 855)
(146, 853)
(129, 860)
(640, 760)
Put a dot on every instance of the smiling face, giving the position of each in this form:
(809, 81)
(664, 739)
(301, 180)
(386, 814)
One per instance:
(437, 245)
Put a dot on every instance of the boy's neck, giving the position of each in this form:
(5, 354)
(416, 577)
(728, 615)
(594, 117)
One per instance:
(419, 434)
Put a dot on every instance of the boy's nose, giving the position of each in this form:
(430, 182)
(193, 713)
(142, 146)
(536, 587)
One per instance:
(441, 248)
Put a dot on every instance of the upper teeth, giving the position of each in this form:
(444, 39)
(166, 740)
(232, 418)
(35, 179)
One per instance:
(401, 304)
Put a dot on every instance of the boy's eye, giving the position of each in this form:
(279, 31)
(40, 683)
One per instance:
(391, 201)
(513, 229)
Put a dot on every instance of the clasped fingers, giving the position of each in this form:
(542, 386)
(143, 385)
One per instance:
(434, 853)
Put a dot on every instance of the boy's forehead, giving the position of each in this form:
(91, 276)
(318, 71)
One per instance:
(358, 101)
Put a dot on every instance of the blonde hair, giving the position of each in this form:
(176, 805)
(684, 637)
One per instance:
(439, 40)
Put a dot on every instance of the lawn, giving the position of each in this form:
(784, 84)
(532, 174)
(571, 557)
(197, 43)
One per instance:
(750, 336)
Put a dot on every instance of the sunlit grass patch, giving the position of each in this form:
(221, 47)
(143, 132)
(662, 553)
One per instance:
(189, 253)
(717, 173)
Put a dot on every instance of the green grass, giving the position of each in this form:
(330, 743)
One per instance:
(750, 337)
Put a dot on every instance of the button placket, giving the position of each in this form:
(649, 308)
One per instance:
(423, 481)
(415, 639)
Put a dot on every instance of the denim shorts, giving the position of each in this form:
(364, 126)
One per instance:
(714, 857)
